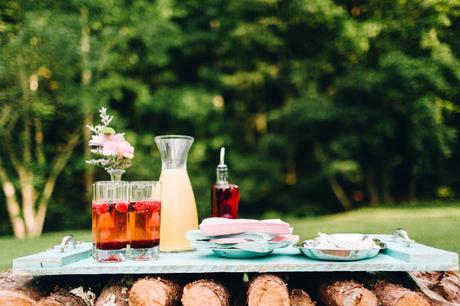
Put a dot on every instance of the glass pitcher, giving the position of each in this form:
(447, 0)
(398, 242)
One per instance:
(178, 209)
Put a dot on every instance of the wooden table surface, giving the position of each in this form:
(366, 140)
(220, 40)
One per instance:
(78, 261)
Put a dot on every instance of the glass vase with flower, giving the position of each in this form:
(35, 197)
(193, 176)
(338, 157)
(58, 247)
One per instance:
(110, 198)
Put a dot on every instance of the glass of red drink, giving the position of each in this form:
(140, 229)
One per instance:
(144, 220)
(110, 220)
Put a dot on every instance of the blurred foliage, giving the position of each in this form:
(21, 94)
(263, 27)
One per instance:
(323, 105)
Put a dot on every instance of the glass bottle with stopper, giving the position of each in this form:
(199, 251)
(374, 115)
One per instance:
(224, 196)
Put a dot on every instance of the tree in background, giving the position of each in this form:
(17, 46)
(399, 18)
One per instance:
(361, 95)
(323, 105)
(394, 106)
(63, 62)
(34, 101)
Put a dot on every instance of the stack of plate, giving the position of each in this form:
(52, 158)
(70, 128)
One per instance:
(242, 238)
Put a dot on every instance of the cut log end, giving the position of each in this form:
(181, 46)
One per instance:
(18, 290)
(15, 298)
(389, 294)
(205, 292)
(349, 292)
(449, 287)
(77, 296)
(412, 299)
(113, 294)
(61, 299)
(268, 290)
(154, 291)
(299, 297)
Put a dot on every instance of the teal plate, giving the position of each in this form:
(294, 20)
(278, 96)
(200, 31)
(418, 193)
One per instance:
(239, 254)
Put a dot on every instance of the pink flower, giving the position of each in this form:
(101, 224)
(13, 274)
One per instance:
(99, 140)
(113, 145)
(117, 137)
(118, 148)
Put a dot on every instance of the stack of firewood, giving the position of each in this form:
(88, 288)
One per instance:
(294, 289)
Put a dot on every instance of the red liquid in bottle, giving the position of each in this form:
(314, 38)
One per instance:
(224, 200)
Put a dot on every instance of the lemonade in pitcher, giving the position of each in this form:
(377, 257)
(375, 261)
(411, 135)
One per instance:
(178, 211)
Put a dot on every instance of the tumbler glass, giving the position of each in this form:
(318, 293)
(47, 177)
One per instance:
(110, 220)
(144, 220)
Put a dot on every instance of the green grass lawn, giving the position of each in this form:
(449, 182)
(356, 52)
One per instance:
(435, 226)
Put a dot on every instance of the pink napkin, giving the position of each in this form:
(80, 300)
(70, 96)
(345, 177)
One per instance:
(224, 226)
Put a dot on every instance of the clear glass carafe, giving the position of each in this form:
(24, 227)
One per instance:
(178, 209)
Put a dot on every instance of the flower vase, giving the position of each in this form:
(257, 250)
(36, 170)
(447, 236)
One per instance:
(115, 175)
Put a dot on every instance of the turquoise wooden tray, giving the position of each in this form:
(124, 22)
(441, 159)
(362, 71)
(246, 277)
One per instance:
(396, 257)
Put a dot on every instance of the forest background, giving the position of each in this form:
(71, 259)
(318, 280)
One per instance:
(323, 106)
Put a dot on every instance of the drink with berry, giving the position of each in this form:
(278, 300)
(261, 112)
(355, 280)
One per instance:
(144, 220)
(110, 220)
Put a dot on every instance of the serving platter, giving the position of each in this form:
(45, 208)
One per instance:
(396, 257)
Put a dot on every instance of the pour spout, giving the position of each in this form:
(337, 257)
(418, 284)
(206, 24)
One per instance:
(222, 157)
(222, 170)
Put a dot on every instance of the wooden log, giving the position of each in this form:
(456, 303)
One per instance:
(448, 287)
(299, 297)
(205, 292)
(389, 294)
(15, 298)
(441, 288)
(18, 290)
(115, 293)
(346, 293)
(154, 291)
(268, 290)
(75, 297)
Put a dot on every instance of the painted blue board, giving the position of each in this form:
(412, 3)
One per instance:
(416, 253)
(204, 261)
(54, 258)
